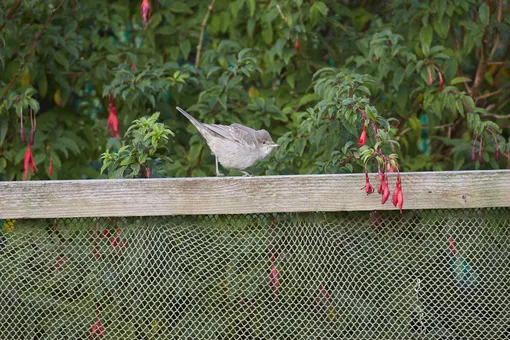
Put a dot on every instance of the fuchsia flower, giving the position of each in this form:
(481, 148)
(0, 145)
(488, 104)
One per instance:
(273, 275)
(97, 330)
(296, 45)
(113, 121)
(452, 245)
(145, 11)
(28, 162)
(362, 140)
(368, 187)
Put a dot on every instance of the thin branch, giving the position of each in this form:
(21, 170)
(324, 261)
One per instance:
(482, 65)
(487, 95)
(498, 62)
(36, 40)
(500, 17)
(204, 24)
(281, 14)
(495, 115)
(12, 11)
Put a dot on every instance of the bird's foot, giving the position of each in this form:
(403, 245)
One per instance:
(245, 174)
(219, 174)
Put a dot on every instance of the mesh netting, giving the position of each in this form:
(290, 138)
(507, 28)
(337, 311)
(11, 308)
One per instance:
(426, 274)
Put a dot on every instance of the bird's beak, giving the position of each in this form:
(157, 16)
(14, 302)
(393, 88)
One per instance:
(274, 145)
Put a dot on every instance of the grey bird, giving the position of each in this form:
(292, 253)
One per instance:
(236, 147)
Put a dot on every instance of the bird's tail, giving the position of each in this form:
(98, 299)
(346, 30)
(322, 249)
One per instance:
(193, 121)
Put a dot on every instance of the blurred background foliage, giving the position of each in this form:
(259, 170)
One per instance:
(433, 76)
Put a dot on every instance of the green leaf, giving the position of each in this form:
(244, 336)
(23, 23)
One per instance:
(251, 6)
(42, 84)
(483, 14)
(307, 98)
(426, 34)
(181, 7)
(458, 80)
(61, 59)
(185, 46)
(4, 126)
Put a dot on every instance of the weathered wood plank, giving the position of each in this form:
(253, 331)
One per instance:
(239, 195)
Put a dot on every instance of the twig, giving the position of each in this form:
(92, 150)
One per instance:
(500, 17)
(498, 62)
(37, 37)
(487, 95)
(495, 115)
(204, 24)
(281, 14)
(482, 65)
(11, 12)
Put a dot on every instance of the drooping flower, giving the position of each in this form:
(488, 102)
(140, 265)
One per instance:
(381, 180)
(273, 275)
(362, 140)
(385, 190)
(480, 151)
(431, 80)
(452, 245)
(441, 80)
(113, 120)
(296, 45)
(50, 167)
(97, 330)
(145, 11)
(473, 150)
(28, 162)
(368, 187)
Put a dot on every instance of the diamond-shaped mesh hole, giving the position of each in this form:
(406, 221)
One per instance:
(426, 274)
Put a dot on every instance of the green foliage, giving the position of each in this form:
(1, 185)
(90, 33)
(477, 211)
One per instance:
(431, 78)
(143, 152)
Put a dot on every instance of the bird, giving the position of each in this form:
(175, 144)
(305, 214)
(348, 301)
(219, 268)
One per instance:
(236, 147)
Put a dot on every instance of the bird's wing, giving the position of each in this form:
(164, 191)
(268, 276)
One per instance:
(235, 132)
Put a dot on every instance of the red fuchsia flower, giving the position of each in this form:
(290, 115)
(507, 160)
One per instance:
(59, 262)
(385, 190)
(145, 11)
(113, 121)
(106, 233)
(375, 218)
(133, 66)
(50, 167)
(96, 253)
(398, 195)
(480, 151)
(452, 245)
(498, 151)
(441, 80)
(97, 330)
(368, 187)
(431, 80)
(325, 294)
(28, 162)
(296, 45)
(400, 200)
(362, 140)
(273, 276)
(376, 59)
(380, 175)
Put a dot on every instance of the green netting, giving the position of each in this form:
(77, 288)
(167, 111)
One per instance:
(424, 275)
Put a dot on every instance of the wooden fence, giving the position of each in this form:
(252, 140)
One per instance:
(241, 195)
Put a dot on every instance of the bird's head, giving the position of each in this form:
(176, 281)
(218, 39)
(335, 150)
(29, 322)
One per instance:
(266, 142)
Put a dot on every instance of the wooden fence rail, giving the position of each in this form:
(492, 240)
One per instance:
(240, 195)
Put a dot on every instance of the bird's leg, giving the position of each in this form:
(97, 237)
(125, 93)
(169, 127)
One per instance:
(245, 174)
(218, 173)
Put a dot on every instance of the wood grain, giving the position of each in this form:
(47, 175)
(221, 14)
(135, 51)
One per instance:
(240, 195)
